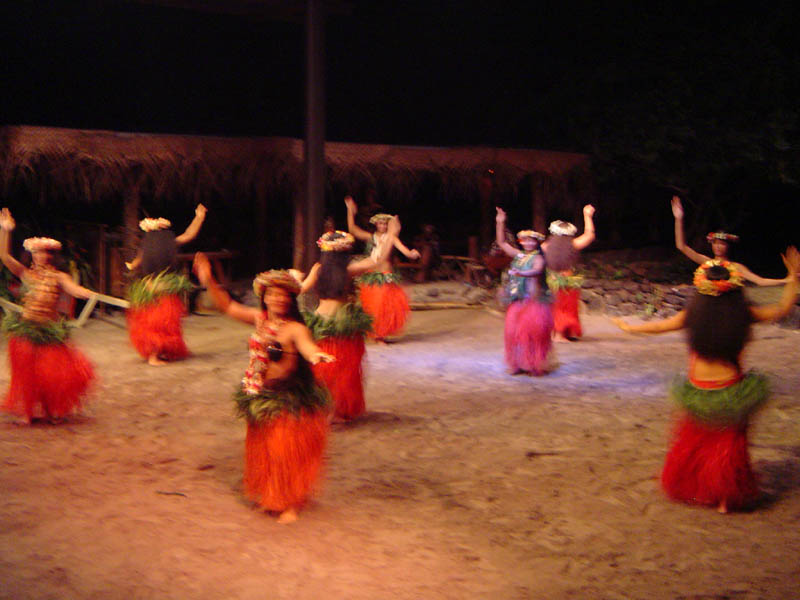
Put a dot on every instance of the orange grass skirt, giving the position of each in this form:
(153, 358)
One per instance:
(47, 380)
(344, 376)
(155, 328)
(387, 304)
(283, 459)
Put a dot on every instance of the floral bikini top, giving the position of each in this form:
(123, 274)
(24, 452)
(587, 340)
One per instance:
(264, 348)
(519, 287)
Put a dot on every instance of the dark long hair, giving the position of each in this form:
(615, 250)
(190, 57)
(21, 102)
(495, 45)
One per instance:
(333, 280)
(719, 326)
(561, 253)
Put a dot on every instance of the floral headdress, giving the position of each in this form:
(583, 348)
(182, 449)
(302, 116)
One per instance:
(721, 235)
(530, 233)
(154, 224)
(41, 243)
(380, 217)
(336, 241)
(562, 228)
(277, 277)
(715, 287)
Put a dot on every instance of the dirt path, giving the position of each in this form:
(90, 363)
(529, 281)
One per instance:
(461, 482)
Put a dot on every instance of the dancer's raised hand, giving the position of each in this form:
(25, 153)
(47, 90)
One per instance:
(201, 267)
(6, 220)
(677, 208)
(588, 211)
(200, 211)
(792, 260)
(394, 226)
(501, 215)
(350, 204)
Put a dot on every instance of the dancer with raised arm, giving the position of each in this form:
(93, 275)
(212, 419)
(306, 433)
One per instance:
(561, 251)
(381, 296)
(529, 319)
(339, 324)
(720, 246)
(49, 376)
(708, 461)
(285, 410)
(154, 318)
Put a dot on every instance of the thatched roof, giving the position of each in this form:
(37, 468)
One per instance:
(94, 165)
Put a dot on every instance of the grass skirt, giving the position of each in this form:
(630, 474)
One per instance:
(528, 336)
(387, 304)
(283, 458)
(343, 377)
(708, 464)
(155, 328)
(565, 312)
(47, 380)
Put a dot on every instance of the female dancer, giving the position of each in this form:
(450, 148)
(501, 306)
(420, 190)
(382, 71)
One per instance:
(529, 320)
(286, 412)
(154, 318)
(49, 376)
(708, 462)
(720, 246)
(381, 296)
(561, 254)
(339, 324)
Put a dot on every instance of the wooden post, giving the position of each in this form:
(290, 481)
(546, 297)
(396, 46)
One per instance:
(315, 130)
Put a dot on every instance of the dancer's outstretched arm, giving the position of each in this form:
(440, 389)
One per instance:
(310, 280)
(672, 323)
(752, 277)
(194, 227)
(412, 254)
(202, 268)
(771, 312)
(500, 233)
(357, 232)
(680, 243)
(305, 345)
(134, 264)
(7, 225)
(587, 237)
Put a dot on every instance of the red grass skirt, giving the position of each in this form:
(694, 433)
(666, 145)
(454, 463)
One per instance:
(528, 336)
(708, 465)
(283, 458)
(47, 380)
(343, 377)
(387, 304)
(565, 312)
(155, 328)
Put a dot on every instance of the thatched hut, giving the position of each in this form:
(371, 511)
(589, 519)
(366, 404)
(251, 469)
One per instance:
(253, 186)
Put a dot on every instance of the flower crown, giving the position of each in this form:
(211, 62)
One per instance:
(715, 287)
(721, 235)
(154, 224)
(336, 241)
(41, 243)
(530, 233)
(277, 277)
(380, 217)
(562, 228)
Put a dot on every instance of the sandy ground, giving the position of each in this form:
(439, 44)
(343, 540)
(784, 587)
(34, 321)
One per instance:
(461, 482)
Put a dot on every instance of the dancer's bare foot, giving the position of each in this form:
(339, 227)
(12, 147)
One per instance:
(381, 341)
(515, 371)
(288, 516)
(557, 337)
(155, 361)
(722, 508)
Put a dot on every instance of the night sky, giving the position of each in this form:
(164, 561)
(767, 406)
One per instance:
(519, 74)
